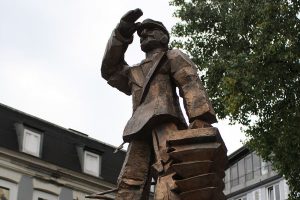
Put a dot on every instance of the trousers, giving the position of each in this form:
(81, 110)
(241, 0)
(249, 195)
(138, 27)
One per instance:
(146, 160)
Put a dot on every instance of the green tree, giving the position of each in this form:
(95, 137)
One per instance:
(249, 51)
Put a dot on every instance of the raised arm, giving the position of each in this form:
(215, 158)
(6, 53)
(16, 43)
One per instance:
(114, 69)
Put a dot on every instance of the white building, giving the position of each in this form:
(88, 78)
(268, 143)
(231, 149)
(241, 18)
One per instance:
(248, 177)
(42, 161)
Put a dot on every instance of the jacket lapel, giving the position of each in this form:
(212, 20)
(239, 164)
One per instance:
(137, 76)
(150, 75)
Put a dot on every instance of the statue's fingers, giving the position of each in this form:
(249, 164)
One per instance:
(137, 14)
(132, 15)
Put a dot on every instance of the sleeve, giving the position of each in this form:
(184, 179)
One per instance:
(195, 98)
(114, 69)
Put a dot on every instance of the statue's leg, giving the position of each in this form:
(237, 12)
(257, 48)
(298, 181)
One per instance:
(165, 183)
(132, 181)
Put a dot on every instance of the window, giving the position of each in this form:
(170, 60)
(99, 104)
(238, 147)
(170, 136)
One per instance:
(264, 167)
(286, 190)
(40, 195)
(91, 163)
(249, 167)
(273, 192)
(31, 142)
(4, 193)
(29, 139)
(227, 179)
(256, 195)
(241, 170)
(256, 165)
(242, 198)
(152, 188)
(8, 190)
(234, 176)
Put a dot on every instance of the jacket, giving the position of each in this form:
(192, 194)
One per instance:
(154, 95)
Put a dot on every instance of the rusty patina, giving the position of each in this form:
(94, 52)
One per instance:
(186, 162)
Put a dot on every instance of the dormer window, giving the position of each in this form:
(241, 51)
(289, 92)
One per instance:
(92, 163)
(90, 160)
(30, 140)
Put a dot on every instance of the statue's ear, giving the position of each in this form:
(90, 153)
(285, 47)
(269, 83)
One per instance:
(164, 39)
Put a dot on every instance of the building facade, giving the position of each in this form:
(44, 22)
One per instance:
(42, 161)
(249, 177)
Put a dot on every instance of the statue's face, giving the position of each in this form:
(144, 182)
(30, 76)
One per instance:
(151, 39)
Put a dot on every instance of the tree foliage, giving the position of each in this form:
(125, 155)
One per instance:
(250, 53)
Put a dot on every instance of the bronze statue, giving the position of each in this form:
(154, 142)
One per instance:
(186, 162)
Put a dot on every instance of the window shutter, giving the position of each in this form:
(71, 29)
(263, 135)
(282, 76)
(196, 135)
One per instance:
(257, 195)
(31, 142)
(92, 163)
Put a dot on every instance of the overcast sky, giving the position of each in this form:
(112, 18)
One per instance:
(50, 55)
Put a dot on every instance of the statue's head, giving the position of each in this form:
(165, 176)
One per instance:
(153, 34)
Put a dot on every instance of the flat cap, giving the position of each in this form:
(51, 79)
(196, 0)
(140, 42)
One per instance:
(150, 23)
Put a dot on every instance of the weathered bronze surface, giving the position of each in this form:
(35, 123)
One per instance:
(200, 181)
(203, 194)
(186, 162)
(193, 168)
(210, 134)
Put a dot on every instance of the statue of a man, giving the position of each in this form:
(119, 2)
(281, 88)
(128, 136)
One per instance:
(156, 110)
